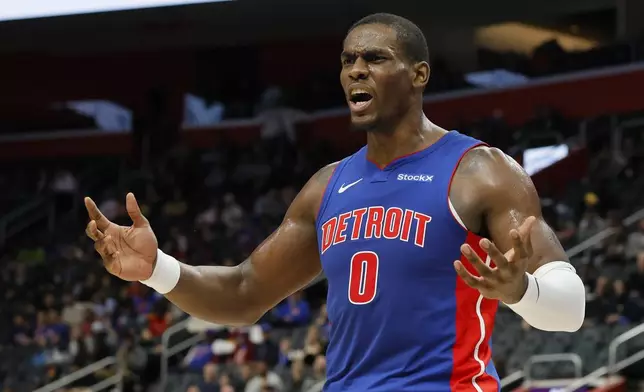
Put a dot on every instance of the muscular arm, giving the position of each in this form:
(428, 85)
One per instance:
(494, 195)
(497, 195)
(284, 263)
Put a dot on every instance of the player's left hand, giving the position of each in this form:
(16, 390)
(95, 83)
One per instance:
(507, 280)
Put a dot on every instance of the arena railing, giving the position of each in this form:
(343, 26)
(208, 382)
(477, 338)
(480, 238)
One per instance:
(549, 358)
(575, 251)
(613, 366)
(27, 215)
(167, 352)
(64, 381)
(602, 235)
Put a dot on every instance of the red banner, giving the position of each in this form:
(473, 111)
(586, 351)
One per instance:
(589, 94)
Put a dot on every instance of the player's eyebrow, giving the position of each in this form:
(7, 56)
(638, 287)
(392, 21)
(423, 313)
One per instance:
(364, 52)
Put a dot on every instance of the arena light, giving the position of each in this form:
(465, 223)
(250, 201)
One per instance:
(539, 158)
(28, 9)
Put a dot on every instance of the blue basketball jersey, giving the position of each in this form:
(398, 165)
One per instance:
(401, 318)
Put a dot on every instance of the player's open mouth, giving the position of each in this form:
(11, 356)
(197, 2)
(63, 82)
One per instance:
(359, 100)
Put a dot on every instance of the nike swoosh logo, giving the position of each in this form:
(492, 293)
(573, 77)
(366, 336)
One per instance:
(345, 187)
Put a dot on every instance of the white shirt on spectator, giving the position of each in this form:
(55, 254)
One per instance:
(64, 182)
(255, 383)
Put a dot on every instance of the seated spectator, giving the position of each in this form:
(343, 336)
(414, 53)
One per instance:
(198, 356)
(159, 319)
(319, 372)
(635, 242)
(264, 377)
(225, 384)
(313, 347)
(298, 380)
(177, 207)
(243, 377)
(232, 214)
(81, 347)
(293, 312)
(209, 383)
(634, 311)
(22, 333)
(284, 356)
(267, 350)
(603, 308)
(322, 322)
(590, 224)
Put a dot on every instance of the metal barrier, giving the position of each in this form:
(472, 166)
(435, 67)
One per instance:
(602, 235)
(618, 341)
(512, 377)
(25, 216)
(613, 366)
(167, 351)
(546, 358)
(117, 379)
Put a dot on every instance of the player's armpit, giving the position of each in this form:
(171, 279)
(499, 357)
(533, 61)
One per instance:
(506, 198)
(284, 263)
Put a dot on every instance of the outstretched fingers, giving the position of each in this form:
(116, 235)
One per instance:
(475, 282)
(134, 211)
(96, 215)
(483, 269)
(93, 232)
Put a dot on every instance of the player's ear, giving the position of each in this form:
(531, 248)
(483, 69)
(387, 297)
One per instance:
(421, 74)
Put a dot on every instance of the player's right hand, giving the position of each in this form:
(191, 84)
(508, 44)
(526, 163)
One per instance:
(127, 252)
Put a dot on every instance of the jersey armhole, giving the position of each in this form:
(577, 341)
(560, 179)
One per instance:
(452, 210)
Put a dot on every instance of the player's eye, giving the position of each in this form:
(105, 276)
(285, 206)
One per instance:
(348, 60)
(374, 58)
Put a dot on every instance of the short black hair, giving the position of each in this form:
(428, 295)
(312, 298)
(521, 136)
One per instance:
(408, 34)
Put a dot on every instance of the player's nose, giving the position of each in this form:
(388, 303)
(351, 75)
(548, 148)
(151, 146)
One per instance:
(359, 70)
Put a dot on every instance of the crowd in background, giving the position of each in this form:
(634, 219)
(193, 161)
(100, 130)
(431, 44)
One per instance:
(214, 207)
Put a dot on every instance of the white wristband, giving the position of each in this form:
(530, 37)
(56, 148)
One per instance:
(166, 274)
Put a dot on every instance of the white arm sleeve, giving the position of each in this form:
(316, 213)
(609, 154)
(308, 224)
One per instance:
(555, 299)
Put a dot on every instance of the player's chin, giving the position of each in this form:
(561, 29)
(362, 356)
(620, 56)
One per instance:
(363, 123)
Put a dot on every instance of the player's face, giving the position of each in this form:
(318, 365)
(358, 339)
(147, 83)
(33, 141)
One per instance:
(377, 80)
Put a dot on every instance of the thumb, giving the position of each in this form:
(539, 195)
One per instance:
(134, 211)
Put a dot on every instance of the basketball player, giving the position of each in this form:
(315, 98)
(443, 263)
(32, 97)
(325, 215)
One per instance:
(420, 234)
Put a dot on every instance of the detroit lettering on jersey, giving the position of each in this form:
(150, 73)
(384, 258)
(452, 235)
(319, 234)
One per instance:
(375, 222)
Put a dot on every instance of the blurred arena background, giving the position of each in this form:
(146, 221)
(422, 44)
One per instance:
(215, 114)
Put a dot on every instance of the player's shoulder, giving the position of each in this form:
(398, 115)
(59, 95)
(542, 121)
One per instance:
(323, 175)
(489, 166)
(308, 201)
(485, 179)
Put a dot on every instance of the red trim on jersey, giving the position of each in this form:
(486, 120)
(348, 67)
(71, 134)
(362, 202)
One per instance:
(466, 359)
(451, 178)
(324, 192)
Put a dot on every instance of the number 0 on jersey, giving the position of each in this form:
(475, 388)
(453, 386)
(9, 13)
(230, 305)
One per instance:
(363, 277)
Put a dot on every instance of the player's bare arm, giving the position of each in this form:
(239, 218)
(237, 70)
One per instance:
(495, 197)
(284, 263)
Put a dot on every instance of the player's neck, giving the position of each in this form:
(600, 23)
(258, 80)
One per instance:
(411, 135)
